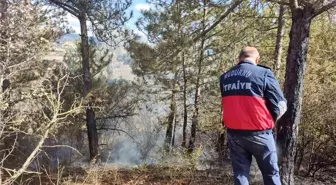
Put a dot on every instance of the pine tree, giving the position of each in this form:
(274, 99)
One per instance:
(303, 13)
(106, 18)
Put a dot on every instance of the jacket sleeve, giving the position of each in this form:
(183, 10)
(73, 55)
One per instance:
(275, 100)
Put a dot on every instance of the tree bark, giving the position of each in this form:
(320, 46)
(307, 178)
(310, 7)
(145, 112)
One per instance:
(300, 154)
(174, 131)
(221, 141)
(296, 64)
(194, 121)
(171, 118)
(3, 31)
(3, 10)
(87, 85)
(182, 58)
(221, 147)
(4, 82)
(185, 114)
(279, 41)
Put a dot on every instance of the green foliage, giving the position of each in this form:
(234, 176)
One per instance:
(100, 57)
(251, 24)
(171, 27)
(106, 17)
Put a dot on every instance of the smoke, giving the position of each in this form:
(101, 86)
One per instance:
(139, 143)
(126, 153)
(144, 144)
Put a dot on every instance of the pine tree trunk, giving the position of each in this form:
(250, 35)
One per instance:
(3, 10)
(174, 131)
(185, 114)
(182, 58)
(296, 64)
(87, 85)
(194, 120)
(221, 147)
(3, 30)
(221, 141)
(279, 41)
(4, 39)
(171, 118)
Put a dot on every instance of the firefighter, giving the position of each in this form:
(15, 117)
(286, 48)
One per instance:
(252, 102)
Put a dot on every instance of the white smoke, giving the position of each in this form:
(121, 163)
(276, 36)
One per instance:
(139, 143)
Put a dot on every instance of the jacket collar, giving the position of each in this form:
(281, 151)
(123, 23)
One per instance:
(246, 62)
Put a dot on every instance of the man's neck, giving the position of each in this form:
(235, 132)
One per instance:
(249, 60)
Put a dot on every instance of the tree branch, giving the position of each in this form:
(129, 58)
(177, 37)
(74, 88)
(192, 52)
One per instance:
(212, 4)
(294, 4)
(30, 158)
(66, 7)
(63, 146)
(56, 105)
(118, 130)
(325, 8)
(279, 2)
(222, 17)
(116, 116)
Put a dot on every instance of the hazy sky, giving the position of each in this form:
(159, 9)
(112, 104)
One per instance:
(136, 7)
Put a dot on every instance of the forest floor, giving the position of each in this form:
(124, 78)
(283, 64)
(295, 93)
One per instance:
(153, 175)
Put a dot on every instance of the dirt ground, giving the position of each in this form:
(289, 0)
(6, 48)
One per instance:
(151, 175)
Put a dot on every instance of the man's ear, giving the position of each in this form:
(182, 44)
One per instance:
(257, 60)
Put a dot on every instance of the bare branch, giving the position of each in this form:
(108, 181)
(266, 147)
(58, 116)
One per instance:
(10, 152)
(11, 170)
(115, 116)
(56, 103)
(30, 158)
(118, 130)
(63, 146)
(279, 2)
(325, 8)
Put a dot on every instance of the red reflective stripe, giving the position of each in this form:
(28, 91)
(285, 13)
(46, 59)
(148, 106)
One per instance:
(246, 113)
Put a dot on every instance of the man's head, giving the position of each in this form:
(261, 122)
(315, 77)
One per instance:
(249, 53)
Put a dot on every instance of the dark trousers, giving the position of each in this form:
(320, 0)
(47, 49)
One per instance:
(262, 147)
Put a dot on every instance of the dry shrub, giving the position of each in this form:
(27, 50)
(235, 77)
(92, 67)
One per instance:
(317, 136)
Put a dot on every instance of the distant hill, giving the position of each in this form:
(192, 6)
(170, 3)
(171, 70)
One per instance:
(118, 69)
(68, 38)
(71, 37)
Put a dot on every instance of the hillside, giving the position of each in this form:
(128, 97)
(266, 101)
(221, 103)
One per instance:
(119, 67)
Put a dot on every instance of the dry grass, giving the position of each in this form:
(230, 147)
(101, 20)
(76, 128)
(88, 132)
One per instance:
(150, 175)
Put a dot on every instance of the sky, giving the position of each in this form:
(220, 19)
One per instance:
(136, 7)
